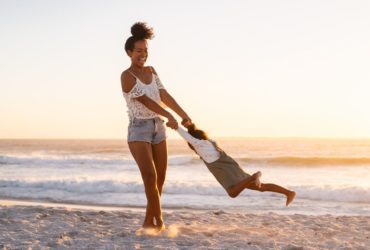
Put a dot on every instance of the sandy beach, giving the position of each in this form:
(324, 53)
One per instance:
(38, 225)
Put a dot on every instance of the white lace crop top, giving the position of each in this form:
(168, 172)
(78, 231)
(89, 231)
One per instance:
(135, 108)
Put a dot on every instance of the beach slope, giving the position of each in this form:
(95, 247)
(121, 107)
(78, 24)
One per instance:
(65, 227)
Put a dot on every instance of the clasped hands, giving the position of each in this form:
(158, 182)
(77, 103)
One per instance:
(172, 123)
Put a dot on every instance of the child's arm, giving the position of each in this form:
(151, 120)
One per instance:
(193, 141)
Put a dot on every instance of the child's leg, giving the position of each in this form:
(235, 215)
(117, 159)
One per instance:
(276, 189)
(253, 180)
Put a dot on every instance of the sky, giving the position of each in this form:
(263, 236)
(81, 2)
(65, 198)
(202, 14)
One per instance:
(238, 68)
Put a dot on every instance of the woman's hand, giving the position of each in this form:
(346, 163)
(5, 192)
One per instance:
(172, 124)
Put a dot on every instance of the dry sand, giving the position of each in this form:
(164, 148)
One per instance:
(61, 227)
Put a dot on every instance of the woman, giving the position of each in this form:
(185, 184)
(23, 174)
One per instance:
(146, 138)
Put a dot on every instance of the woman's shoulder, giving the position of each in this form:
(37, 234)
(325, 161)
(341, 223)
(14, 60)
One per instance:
(128, 81)
(126, 73)
(151, 69)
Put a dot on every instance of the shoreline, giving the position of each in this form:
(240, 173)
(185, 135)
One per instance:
(69, 205)
(298, 207)
(8, 202)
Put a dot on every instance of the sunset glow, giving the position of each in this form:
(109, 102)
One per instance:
(239, 68)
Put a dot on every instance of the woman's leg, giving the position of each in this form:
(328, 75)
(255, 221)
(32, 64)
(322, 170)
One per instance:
(276, 189)
(160, 162)
(142, 153)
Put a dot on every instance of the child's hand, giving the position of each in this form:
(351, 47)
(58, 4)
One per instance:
(172, 124)
(186, 122)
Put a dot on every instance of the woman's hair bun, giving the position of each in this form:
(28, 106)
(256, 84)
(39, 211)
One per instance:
(140, 30)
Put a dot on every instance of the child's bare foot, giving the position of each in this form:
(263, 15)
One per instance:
(290, 197)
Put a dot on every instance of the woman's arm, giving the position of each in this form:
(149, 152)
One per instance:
(155, 107)
(171, 102)
(128, 82)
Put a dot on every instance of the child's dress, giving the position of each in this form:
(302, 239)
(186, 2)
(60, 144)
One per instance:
(226, 170)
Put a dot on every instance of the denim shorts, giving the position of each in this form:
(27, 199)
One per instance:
(146, 130)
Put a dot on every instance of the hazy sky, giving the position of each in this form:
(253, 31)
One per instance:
(239, 68)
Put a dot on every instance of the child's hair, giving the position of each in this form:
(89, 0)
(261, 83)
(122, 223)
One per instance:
(196, 133)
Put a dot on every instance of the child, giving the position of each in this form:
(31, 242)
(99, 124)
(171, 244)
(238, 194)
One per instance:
(226, 170)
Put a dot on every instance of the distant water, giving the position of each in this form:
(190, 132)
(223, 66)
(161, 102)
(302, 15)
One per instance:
(330, 176)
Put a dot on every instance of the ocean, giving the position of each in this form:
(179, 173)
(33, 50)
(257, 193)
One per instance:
(330, 176)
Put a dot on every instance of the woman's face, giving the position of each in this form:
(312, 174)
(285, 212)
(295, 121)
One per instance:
(140, 53)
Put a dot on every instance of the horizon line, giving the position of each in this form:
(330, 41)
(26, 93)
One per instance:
(218, 137)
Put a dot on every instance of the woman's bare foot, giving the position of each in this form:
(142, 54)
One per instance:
(148, 223)
(290, 197)
(160, 225)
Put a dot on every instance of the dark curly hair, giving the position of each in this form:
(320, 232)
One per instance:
(140, 31)
(196, 133)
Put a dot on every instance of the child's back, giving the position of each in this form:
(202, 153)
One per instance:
(225, 169)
